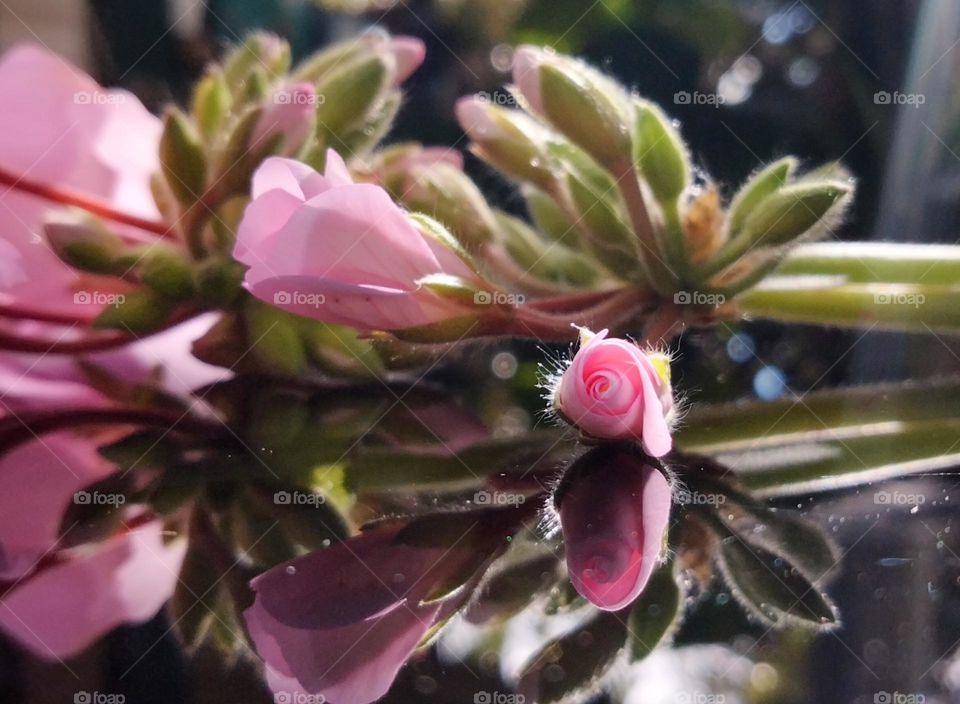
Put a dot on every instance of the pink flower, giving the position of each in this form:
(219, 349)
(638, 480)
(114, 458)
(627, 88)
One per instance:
(340, 622)
(87, 591)
(612, 390)
(63, 598)
(330, 249)
(74, 135)
(614, 516)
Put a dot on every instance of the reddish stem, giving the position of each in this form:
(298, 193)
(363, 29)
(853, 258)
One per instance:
(91, 205)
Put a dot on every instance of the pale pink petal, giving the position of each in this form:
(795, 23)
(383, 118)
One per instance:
(409, 53)
(526, 74)
(59, 611)
(38, 479)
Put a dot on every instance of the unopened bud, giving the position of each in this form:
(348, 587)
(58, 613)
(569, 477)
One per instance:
(83, 242)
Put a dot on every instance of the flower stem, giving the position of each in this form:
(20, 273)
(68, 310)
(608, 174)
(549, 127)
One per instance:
(91, 205)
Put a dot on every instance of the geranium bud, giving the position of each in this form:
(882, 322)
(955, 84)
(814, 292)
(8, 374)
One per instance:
(507, 139)
(586, 106)
(613, 390)
(614, 511)
(83, 242)
(291, 113)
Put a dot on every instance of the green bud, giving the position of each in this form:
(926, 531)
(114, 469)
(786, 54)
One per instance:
(450, 196)
(608, 238)
(261, 50)
(82, 241)
(137, 312)
(316, 67)
(167, 270)
(453, 288)
(792, 211)
(550, 261)
(509, 140)
(340, 351)
(219, 282)
(366, 136)
(350, 92)
(182, 158)
(547, 215)
(211, 103)
(242, 156)
(760, 185)
(429, 227)
(274, 339)
(592, 111)
(660, 154)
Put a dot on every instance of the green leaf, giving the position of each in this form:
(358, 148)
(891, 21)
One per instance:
(194, 597)
(772, 589)
(512, 582)
(656, 614)
(876, 262)
(826, 301)
(578, 659)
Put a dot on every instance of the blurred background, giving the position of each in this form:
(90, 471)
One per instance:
(869, 83)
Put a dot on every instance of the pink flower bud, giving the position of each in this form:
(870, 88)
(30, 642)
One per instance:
(613, 391)
(614, 514)
(330, 249)
(289, 112)
(409, 53)
(526, 74)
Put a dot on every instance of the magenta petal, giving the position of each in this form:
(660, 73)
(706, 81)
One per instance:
(65, 607)
(613, 520)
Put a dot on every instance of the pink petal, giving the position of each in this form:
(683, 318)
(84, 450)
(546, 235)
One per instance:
(409, 53)
(526, 74)
(58, 612)
(38, 479)
(613, 520)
